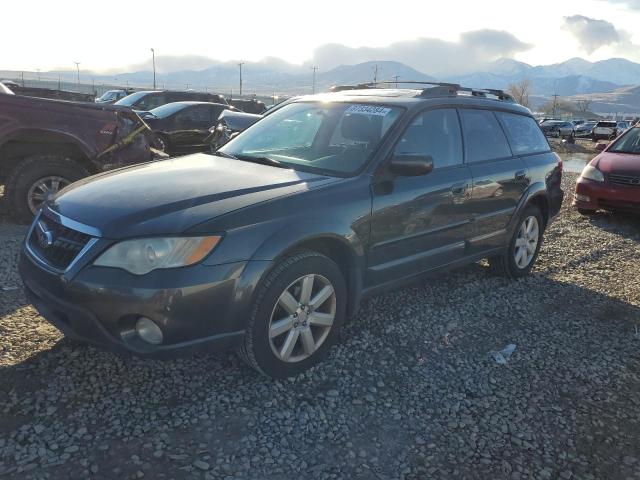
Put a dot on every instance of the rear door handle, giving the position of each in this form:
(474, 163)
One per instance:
(521, 175)
(459, 188)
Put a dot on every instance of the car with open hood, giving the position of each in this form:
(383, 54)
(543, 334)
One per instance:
(269, 245)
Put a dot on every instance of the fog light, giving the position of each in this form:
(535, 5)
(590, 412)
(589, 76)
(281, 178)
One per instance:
(582, 198)
(149, 331)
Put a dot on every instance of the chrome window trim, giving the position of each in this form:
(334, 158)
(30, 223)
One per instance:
(72, 224)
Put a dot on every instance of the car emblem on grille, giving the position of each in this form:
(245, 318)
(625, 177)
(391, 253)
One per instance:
(45, 236)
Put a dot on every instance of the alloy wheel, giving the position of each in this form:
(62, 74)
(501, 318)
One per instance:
(43, 189)
(302, 318)
(526, 242)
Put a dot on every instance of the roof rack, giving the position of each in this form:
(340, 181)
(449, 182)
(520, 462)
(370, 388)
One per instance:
(437, 89)
(360, 86)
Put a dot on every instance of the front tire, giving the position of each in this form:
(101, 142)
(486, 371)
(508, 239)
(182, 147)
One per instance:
(35, 179)
(296, 316)
(524, 246)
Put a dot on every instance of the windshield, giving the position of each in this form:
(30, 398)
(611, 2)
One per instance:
(331, 138)
(131, 99)
(168, 109)
(627, 143)
(110, 95)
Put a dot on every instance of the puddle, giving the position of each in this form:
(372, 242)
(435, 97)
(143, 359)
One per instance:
(575, 162)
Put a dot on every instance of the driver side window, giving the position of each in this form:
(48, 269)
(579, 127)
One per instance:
(435, 133)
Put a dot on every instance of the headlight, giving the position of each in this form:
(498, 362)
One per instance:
(146, 254)
(592, 173)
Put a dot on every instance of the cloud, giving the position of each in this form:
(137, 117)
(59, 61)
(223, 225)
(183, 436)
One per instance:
(631, 4)
(430, 55)
(593, 33)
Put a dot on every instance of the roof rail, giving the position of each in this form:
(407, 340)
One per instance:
(437, 89)
(360, 86)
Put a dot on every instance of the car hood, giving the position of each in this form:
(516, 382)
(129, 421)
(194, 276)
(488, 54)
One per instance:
(173, 195)
(608, 162)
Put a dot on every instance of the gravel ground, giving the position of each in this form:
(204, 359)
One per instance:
(411, 392)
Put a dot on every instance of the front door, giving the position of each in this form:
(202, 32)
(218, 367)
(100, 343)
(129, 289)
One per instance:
(191, 127)
(419, 223)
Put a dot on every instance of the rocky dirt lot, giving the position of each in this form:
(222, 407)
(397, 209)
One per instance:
(411, 392)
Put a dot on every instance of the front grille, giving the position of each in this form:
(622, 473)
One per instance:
(620, 179)
(56, 244)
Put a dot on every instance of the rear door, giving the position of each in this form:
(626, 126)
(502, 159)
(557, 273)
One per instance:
(419, 223)
(499, 178)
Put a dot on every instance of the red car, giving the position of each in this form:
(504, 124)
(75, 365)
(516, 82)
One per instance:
(611, 181)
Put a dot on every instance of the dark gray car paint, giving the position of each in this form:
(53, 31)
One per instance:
(385, 228)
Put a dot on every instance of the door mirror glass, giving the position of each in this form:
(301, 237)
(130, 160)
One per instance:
(411, 165)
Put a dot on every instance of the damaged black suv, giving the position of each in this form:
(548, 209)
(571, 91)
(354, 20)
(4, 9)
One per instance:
(268, 245)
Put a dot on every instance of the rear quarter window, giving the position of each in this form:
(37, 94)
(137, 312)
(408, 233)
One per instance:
(524, 134)
(483, 136)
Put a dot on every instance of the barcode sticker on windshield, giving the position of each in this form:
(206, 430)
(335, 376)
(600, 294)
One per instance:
(368, 110)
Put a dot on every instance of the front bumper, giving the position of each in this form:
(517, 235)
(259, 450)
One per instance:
(592, 195)
(198, 307)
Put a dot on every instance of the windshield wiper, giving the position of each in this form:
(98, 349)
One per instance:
(225, 155)
(262, 160)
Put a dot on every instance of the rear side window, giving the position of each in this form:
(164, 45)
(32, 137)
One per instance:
(435, 133)
(524, 134)
(152, 101)
(483, 136)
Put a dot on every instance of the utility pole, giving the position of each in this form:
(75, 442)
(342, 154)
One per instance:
(38, 70)
(58, 82)
(395, 77)
(313, 86)
(22, 73)
(375, 74)
(153, 56)
(78, 68)
(240, 65)
(555, 104)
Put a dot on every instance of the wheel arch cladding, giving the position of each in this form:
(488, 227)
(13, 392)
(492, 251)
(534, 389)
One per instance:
(347, 256)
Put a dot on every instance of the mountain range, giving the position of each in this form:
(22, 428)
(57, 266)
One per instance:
(574, 77)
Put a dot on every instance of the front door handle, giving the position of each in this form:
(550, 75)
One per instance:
(521, 175)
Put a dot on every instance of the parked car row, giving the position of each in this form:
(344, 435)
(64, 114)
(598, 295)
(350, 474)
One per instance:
(593, 129)
(269, 244)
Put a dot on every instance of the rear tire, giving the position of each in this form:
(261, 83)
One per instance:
(510, 264)
(32, 176)
(287, 332)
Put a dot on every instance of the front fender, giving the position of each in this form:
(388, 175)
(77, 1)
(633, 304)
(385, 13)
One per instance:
(311, 234)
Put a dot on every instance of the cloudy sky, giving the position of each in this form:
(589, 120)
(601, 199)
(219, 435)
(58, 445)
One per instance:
(431, 36)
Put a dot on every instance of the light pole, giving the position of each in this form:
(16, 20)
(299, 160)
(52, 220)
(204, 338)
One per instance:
(240, 65)
(78, 68)
(313, 85)
(395, 77)
(153, 55)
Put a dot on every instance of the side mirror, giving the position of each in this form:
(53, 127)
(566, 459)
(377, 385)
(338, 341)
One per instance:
(601, 146)
(409, 165)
